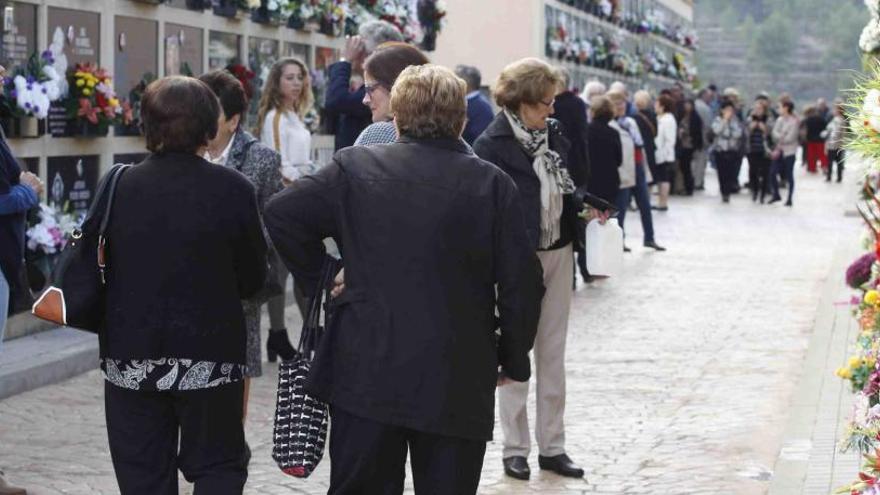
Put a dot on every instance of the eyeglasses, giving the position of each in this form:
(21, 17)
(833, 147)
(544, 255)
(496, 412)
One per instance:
(369, 88)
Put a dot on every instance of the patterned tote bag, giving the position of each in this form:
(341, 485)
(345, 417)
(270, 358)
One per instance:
(301, 420)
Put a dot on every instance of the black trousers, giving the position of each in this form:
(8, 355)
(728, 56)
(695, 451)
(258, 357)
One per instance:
(727, 170)
(145, 429)
(368, 458)
(759, 174)
(685, 158)
(835, 156)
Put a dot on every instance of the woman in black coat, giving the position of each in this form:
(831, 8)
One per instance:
(185, 247)
(525, 143)
(606, 153)
(427, 232)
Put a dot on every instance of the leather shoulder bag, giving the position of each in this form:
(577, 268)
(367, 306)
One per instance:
(76, 297)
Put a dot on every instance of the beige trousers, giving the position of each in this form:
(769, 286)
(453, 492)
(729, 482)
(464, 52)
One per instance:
(549, 369)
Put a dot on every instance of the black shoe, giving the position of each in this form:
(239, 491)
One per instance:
(660, 208)
(517, 467)
(247, 454)
(788, 203)
(655, 246)
(775, 199)
(561, 465)
(626, 249)
(279, 345)
(725, 199)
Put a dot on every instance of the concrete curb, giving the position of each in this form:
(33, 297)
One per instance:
(809, 455)
(44, 358)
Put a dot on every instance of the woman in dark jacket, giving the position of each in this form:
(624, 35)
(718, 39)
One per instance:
(690, 140)
(530, 148)
(427, 231)
(237, 149)
(186, 246)
(606, 153)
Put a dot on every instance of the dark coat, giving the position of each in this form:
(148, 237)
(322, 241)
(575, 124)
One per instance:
(426, 231)
(15, 200)
(815, 125)
(571, 112)
(479, 116)
(499, 146)
(695, 126)
(350, 113)
(606, 156)
(185, 247)
(647, 122)
(259, 163)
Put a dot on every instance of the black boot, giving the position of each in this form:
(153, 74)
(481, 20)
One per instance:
(279, 345)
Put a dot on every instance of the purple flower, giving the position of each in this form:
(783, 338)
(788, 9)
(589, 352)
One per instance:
(30, 80)
(859, 272)
(13, 94)
(45, 91)
(27, 105)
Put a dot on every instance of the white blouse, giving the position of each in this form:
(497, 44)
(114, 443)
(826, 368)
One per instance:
(667, 131)
(295, 143)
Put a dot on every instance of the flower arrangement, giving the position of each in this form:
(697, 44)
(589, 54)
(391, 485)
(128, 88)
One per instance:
(859, 272)
(50, 234)
(869, 477)
(864, 116)
(93, 100)
(869, 41)
(34, 86)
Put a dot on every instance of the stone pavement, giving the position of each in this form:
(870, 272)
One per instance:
(682, 373)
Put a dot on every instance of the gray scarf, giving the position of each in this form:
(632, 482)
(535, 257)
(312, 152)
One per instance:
(551, 172)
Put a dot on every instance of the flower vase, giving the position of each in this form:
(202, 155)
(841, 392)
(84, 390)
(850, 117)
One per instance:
(228, 11)
(296, 22)
(86, 129)
(23, 127)
(198, 4)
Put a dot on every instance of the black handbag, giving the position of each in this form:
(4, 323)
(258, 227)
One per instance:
(301, 421)
(77, 296)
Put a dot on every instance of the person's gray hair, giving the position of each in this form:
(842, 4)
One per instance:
(471, 76)
(594, 88)
(374, 33)
(619, 87)
(565, 75)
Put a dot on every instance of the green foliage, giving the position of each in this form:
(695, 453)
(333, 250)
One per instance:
(772, 44)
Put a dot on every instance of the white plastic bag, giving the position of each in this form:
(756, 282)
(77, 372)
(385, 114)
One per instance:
(604, 246)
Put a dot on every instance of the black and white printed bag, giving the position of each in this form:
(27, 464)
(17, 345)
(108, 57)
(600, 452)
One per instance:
(301, 421)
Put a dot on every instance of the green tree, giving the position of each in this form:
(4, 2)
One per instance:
(772, 45)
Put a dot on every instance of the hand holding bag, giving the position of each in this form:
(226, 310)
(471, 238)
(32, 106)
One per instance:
(77, 296)
(301, 421)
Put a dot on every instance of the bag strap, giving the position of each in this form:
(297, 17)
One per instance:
(114, 180)
(311, 333)
(276, 126)
(116, 173)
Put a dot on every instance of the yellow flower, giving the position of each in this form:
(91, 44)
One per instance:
(80, 83)
(114, 102)
(844, 373)
(870, 361)
(91, 83)
(872, 297)
(87, 91)
(854, 362)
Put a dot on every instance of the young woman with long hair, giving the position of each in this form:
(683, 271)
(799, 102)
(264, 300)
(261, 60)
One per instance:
(286, 99)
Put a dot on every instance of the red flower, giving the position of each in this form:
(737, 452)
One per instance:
(86, 110)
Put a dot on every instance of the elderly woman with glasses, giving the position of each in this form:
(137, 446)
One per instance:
(380, 72)
(528, 145)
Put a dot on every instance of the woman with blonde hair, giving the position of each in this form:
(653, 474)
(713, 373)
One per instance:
(287, 98)
(410, 363)
(529, 146)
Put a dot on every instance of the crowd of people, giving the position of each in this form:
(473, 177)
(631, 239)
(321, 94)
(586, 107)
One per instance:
(460, 230)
